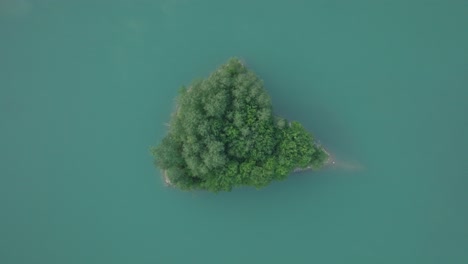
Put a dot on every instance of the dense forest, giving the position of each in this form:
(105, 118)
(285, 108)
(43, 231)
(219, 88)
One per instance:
(223, 134)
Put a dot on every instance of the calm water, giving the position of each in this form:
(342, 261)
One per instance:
(86, 87)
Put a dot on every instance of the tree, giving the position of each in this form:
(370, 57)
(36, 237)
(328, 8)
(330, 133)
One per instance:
(223, 134)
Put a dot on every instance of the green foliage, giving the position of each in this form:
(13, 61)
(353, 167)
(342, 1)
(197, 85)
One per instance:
(223, 134)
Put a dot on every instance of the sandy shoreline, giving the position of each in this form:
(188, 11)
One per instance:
(167, 181)
(330, 160)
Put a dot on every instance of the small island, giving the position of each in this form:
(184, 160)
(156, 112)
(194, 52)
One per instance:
(223, 134)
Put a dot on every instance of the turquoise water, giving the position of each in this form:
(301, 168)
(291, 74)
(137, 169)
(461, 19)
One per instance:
(86, 87)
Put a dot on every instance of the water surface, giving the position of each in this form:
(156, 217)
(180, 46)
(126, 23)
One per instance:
(86, 87)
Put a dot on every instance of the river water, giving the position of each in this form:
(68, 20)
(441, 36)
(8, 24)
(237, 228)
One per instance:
(86, 87)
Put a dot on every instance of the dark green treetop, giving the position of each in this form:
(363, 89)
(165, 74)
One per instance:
(223, 134)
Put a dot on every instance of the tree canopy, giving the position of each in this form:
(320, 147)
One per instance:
(223, 134)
